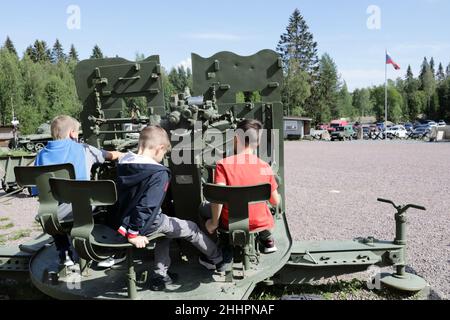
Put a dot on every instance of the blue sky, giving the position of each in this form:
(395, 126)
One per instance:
(410, 29)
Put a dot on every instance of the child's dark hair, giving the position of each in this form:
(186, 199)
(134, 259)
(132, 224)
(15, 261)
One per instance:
(251, 129)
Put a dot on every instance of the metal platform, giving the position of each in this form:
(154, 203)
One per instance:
(194, 283)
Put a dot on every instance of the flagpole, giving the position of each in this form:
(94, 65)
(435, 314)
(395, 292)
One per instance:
(385, 95)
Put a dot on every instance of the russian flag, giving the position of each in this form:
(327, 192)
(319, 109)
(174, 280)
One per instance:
(390, 61)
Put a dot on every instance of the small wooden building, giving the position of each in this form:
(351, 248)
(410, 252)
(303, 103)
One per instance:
(297, 127)
(6, 134)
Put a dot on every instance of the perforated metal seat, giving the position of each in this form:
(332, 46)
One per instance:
(238, 200)
(95, 242)
(29, 177)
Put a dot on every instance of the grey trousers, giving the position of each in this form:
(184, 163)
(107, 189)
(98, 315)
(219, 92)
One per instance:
(175, 228)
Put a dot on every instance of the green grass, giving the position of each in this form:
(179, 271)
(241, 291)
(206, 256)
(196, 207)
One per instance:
(337, 290)
(15, 153)
(2, 240)
(4, 219)
(7, 226)
(19, 235)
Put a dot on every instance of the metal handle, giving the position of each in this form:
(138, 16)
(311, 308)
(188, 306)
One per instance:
(386, 201)
(403, 209)
(130, 78)
(416, 207)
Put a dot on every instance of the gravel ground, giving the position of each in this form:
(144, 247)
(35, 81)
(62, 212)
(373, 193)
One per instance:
(331, 194)
(332, 190)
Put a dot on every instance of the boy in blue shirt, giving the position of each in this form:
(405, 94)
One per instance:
(65, 149)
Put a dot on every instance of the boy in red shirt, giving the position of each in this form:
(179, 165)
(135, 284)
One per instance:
(246, 169)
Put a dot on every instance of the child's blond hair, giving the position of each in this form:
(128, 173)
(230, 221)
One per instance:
(62, 126)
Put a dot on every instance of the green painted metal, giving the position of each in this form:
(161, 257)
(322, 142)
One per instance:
(7, 165)
(219, 82)
(28, 177)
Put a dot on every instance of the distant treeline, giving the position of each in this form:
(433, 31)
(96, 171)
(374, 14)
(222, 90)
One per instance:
(314, 88)
(40, 84)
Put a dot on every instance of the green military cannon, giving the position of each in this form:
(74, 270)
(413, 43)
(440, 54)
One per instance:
(7, 164)
(199, 128)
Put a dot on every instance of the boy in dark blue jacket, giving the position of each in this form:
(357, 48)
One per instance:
(142, 186)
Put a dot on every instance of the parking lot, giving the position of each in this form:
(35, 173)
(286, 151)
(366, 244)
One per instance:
(332, 189)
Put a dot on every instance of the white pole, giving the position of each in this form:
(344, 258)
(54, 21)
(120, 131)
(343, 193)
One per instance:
(385, 94)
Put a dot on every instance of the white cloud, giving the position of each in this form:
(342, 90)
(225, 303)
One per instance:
(213, 36)
(187, 63)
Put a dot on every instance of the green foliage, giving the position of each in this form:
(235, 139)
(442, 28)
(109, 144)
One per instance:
(39, 52)
(9, 45)
(7, 226)
(296, 89)
(345, 103)
(169, 89)
(97, 53)
(180, 78)
(328, 88)
(36, 88)
(243, 97)
(73, 54)
(298, 51)
(362, 103)
(58, 54)
(11, 85)
(298, 44)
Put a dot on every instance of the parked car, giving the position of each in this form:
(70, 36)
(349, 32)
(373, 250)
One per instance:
(366, 132)
(409, 126)
(322, 126)
(420, 132)
(380, 126)
(431, 123)
(442, 124)
(343, 133)
(398, 132)
(336, 124)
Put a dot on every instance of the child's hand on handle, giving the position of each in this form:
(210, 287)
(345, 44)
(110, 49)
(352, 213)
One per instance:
(139, 242)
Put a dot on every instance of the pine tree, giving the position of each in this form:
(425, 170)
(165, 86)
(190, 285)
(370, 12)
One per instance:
(179, 78)
(97, 53)
(327, 90)
(361, 102)
(428, 83)
(29, 52)
(58, 54)
(73, 54)
(432, 67)
(40, 52)
(295, 89)
(345, 103)
(440, 76)
(411, 84)
(9, 45)
(298, 43)
(447, 71)
(10, 86)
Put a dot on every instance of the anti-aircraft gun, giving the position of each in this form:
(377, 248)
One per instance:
(226, 89)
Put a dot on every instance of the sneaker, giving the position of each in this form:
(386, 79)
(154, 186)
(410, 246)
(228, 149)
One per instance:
(208, 264)
(65, 259)
(160, 283)
(269, 246)
(110, 262)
